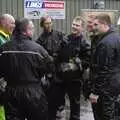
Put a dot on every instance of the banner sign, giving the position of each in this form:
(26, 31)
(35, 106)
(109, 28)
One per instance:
(34, 9)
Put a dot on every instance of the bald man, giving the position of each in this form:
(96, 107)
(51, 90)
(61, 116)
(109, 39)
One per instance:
(7, 25)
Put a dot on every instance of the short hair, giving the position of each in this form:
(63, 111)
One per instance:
(104, 18)
(43, 19)
(92, 16)
(79, 18)
(4, 17)
(21, 24)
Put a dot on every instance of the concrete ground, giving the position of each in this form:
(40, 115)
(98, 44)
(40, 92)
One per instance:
(86, 111)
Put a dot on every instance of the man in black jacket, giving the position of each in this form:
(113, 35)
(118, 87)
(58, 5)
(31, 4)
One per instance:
(51, 40)
(105, 69)
(74, 58)
(22, 64)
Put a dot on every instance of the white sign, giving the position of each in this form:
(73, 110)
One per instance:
(118, 22)
(34, 9)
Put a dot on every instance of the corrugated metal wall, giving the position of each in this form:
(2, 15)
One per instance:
(16, 8)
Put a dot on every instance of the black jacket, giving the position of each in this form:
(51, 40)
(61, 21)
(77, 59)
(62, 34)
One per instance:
(74, 47)
(51, 41)
(106, 64)
(23, 61)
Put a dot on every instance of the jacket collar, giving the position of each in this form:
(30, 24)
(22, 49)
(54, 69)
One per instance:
(4, 34)
(21, 37)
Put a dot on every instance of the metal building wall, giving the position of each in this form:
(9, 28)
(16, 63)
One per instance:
(16, 8)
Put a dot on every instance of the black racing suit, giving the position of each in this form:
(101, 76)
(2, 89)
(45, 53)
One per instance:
(105, 75)
(51, 41)
(74, 56)
(22, 64)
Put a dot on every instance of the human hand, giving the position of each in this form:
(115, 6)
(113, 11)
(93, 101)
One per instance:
(93, 98)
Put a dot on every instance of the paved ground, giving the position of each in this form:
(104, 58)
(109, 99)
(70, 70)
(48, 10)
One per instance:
(86, 111)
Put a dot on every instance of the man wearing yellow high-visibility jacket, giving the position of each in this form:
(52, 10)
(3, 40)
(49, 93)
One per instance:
(7, 25)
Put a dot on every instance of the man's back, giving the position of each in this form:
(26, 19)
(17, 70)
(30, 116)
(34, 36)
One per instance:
(24, 59)
(23, 62)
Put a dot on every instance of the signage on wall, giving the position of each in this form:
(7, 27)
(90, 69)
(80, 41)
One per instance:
(118, 22)
(34, 9)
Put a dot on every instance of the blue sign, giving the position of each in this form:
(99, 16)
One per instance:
(34, 4)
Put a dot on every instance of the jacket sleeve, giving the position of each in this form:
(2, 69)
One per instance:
(97, 66)
(48, 63)
(85, 53)
(86, 62)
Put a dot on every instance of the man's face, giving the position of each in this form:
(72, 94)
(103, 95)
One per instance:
(76, 27)
(48, 24)
(98, 27)
(90, 24)
(9, 25)
(30, 29)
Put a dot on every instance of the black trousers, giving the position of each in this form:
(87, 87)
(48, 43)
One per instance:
(104, 109)
(55, 96)
(73, 89)
(117, 107)
(26, 101)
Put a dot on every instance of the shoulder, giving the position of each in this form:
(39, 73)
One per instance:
(111, 39)
(35, 47)
(34, 44)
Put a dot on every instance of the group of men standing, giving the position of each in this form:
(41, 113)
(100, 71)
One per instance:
(39, 73)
